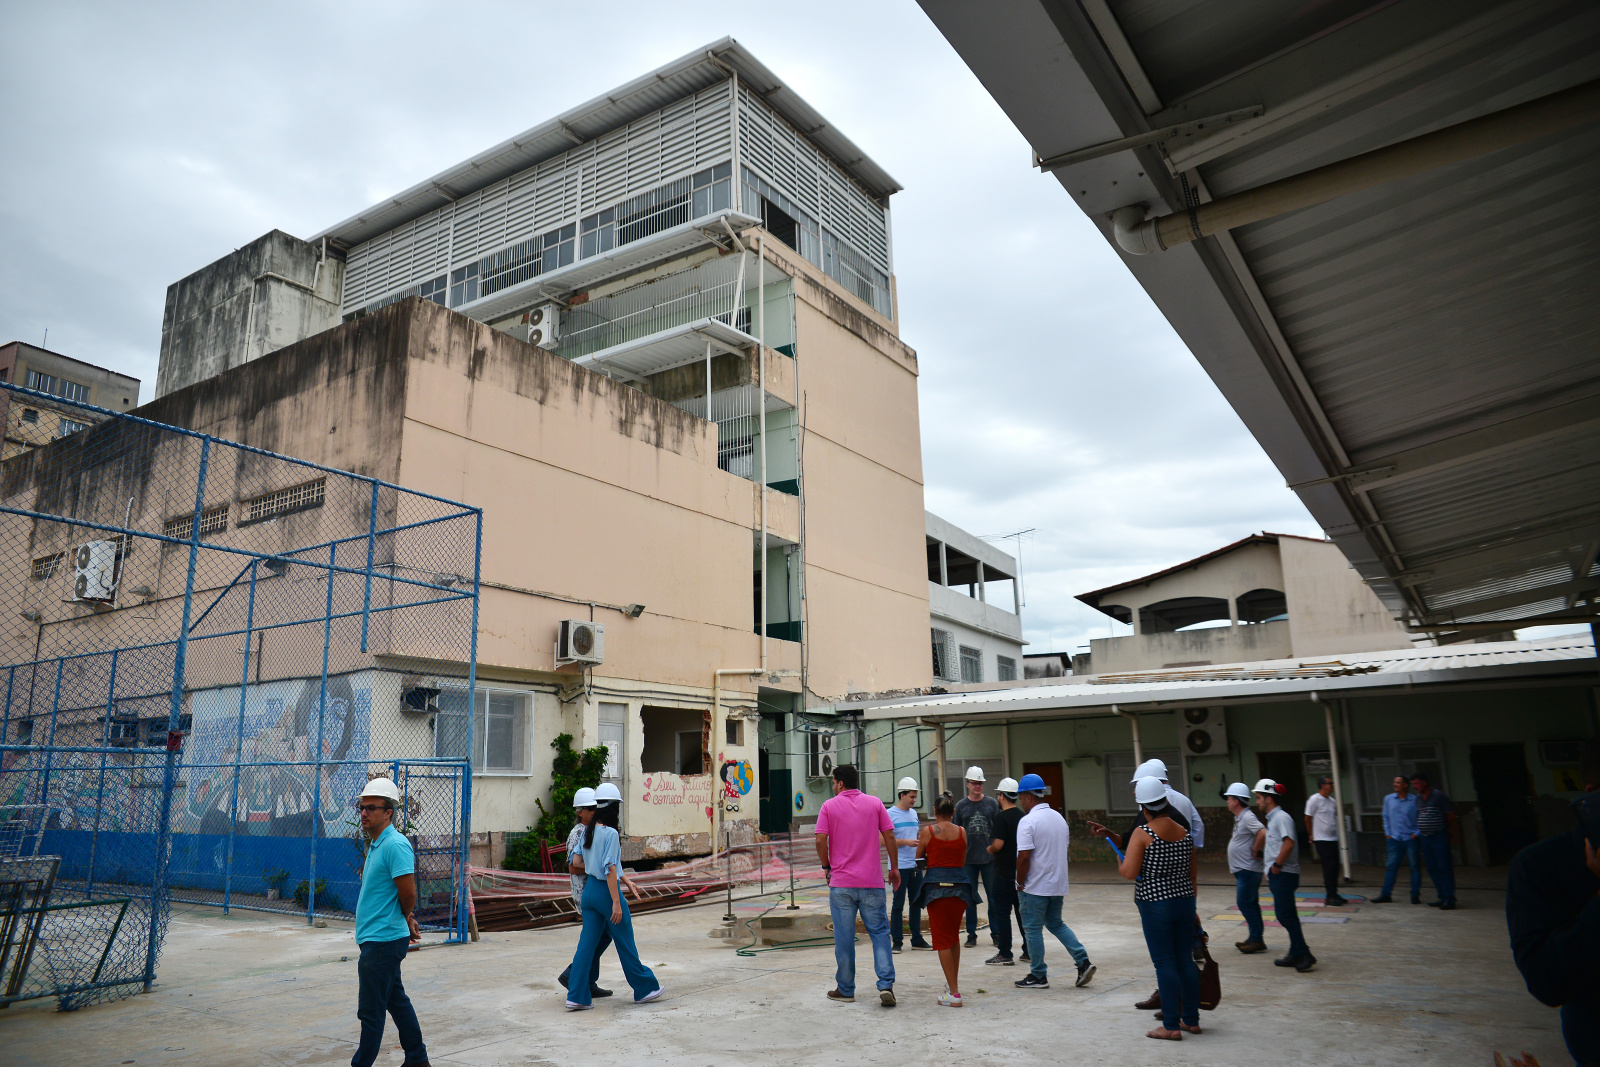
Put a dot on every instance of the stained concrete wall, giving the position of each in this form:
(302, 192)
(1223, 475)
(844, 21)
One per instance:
(1214, 644)
(271, 293)
(1331, 610)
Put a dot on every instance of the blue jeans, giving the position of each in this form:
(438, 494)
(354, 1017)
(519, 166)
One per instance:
(1001, 903)
(382, 994)
(844, 903)
(1247, 894)
(1169, 934)
(976, 873)
(594, 972)
(910, 887)
(1436, 854)
(596, 923)
(1287, 911)
(1044, 913)
(1411, 849)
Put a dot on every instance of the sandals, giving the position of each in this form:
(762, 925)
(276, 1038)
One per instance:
(1163, 1034)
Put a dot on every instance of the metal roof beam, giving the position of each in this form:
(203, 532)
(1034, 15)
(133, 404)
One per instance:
(1571, 590)
(1562, 534)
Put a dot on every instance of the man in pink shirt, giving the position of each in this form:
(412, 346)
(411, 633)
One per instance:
(851, 828)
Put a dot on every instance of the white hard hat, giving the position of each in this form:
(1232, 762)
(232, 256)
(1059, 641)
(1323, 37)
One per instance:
(975, 774)
(1268, 787)
(1150, 768)
(1238, 789)
(1150, 791)
(1007, 785)
(583, 798)
(907, 785)
(608, 793)
(382, 787)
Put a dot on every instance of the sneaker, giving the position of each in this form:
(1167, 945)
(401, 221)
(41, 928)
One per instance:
(1385, 899)
(1448, 905)
(1024, 957)
(1030, 982)
(1335, 902)
(999, 959)
(1435, 903)
(886, 997)
(654, 994)
(595, 992)
(1306, 962)
(972, 940)
(1150, 1003)
(1085, 972)
(950, 1000)
(1415, 899)
(1286, 961)
(898, 948)
(834, 994)
(922, 945)
(1248, 947)
(573, 1005)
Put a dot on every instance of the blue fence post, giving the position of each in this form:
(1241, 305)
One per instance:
(464, 887)
(372, 537)
(238, 739)
(49, 754)
(174, 714)
(322, 716)
(100, 791)
(5, 723)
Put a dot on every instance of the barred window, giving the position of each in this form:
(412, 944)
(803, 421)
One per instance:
(212, 520)
(285, 501)
(971, 664)
(1006, 669)
(45, 566)
(944, 665)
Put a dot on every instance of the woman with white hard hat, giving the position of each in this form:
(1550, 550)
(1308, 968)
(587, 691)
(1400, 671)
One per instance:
(903, 815)
(1161, 860)
(1244, 860)
(584, 803)
(604, 909)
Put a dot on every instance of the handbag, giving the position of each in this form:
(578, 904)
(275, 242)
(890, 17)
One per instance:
(1210, 983)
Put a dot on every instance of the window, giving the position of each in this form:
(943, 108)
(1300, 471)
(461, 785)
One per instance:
(944, 660)
(433, 290)
(733, 732)
(464, 285)
(212, 520)
(30, 415)
(659, 209)
(1381, 764)
(1005, 669)
(284, 501)
(47, 383)
(821, 247)
(45, 566)
(1119, 774)
(971, 664)
(500, 729)
(23, 734)
(674, 740)
(68, 427)
(528, 259)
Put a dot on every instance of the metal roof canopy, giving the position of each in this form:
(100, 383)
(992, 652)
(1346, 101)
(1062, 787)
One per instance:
(1417, 357)
(651, 92)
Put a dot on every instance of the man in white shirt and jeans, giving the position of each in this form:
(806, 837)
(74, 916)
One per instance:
(1322, 826)
(1042, 840)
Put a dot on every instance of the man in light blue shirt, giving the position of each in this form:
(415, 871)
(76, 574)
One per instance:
(903, 814)
(385, 928)
(1401, 839)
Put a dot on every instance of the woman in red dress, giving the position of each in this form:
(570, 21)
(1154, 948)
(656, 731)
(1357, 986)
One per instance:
(945, 890)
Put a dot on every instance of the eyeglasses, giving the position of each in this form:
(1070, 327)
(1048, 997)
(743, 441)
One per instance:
(371, 807)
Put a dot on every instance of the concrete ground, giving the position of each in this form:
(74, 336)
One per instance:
(1395, 984)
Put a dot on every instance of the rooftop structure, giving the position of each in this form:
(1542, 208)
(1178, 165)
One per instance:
(977, 634)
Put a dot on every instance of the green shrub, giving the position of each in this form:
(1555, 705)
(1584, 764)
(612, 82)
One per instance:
(570, 771)
(326, 901)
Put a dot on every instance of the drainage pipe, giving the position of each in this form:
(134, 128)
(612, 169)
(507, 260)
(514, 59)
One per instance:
(1132, 717)
(1547, 115)
(1338, 788)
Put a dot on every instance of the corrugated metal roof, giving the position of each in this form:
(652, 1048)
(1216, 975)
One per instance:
(650, 92)
(1269, 678)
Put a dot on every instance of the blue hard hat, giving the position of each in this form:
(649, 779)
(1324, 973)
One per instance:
(1031, 783)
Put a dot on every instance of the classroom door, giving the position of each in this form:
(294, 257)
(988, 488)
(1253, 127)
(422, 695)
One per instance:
(1051, 773)
(1289, 769)
(777, 807)
(1505, 799)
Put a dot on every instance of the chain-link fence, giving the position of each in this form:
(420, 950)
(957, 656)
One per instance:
(210, 650)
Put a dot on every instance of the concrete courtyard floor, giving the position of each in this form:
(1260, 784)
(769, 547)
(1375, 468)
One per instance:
(1395, 984)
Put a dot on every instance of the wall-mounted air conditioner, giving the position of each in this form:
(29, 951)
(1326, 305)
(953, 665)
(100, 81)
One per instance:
(821, 761)
(580, 641)
(94, 567)
(1205, 732)
(544, 325)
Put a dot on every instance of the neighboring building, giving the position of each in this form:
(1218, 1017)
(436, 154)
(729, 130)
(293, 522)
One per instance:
(33, 421)
(974, 640)
(688, 245)
(1047, 665)
(1279, 595)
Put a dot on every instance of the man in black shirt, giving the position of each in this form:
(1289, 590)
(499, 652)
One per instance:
(1553, 911)
(1003, 897)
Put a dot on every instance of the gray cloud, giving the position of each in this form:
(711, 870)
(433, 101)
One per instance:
(152, 140)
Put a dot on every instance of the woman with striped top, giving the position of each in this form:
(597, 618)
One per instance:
(1161, 861)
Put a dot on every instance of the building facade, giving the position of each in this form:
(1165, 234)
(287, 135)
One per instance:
(31, 421)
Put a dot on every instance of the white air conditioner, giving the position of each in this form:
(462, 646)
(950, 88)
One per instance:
(1205, 732)
(94, 567)
(580, 641)
(544, 325)
(821, 762)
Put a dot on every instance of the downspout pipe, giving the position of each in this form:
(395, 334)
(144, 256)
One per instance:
(1338, 788)
(1132, 717)
(1547, 115)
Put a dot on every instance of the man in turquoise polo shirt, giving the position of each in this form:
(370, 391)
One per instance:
(385, 928)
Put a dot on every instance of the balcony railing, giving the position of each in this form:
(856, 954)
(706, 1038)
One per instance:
(712, 290)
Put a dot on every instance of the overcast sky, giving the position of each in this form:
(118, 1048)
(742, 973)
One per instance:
(141, 142)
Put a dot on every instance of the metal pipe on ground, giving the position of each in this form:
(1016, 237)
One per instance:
(1555, 113)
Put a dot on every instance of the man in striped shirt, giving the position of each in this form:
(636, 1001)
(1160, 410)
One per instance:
(1436, 821)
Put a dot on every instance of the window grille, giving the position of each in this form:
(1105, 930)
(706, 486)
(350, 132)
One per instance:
(212, 520)
(1005, 669)
(45, 566)
(30, 415)
(944, 658)
(971, 664)
(284, 501)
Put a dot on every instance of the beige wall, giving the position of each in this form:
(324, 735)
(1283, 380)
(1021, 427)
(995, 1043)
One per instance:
(1189, 648)
(1246, 568)
(1331, 609)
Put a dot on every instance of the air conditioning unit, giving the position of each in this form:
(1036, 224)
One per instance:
(94, 567)
(1204, 732)
(822, 761)
(419, 699)
(544, 325)
(580, 641)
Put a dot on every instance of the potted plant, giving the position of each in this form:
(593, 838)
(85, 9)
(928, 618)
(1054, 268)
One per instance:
(275, 879)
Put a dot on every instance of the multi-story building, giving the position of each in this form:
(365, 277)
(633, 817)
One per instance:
(709, 442)
(977, 634)
(32, 421)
